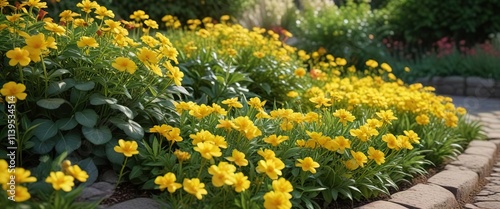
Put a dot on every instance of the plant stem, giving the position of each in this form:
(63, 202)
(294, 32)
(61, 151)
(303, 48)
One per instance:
(121, 172)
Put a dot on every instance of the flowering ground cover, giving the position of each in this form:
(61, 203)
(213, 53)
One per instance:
(210, 113)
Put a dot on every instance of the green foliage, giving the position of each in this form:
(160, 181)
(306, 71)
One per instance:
(428, 21)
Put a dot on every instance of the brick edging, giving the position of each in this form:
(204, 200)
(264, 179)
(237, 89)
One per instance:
(450, 187)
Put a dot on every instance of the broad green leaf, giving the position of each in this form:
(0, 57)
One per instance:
(178, 89)
(45, 129)
(57, 87)
(66, 124)
(87, 86)
(97, 136)
(98, 99)
(130, 127)
(43, 147)
(125, 110)
(58, 72)
(114, 157)
(51, 103)
(69, 142)
(89, 166)
(87, 117)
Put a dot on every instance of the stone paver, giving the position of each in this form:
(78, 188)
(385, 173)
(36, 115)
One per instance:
(137, 203)
(425, 196)
(459, 182)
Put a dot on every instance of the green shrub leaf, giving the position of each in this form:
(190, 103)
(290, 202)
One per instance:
(98, 99)
(69, 142)
(123, 109)
(136, 172)
(114, 157)
(87, 86)
(43, 147)
(66, 124)
(58, 87)
(45, 129)
(58, 72)
(87, 117)
(97, 136)
(51, 104)
(130, 127)
(89, 166)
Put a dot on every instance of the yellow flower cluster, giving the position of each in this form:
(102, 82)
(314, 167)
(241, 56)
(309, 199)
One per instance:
(13, 181)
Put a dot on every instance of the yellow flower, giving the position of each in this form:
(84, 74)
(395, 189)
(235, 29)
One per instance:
(208, 150)
(359, 157)
(14, 17)
(259, 54)
(412, 136)
(162, 130)
(386, 116)
(404, 142)
(276, 200)
(344, 116)
(376, 155)
(256, 103)
(87, 5)
(321, 101)
(174, 135)
(374, 123)
(60, 181)
(124, 64)
(272, 167)
(218, 109)
(14, 89)
(194, 187)
(139, 15)
(224, 18)
(386, 67)
(267, 154)
(151, 23)
(23, 176)
(371, 63)
(241, 182)
(87, 42)
(422, 119)
(283, 185)
(245, 126)
(67, 16)
(225, 124)
(461, 110)
(22, 194)
(392, 142)
(181, 155)
(128, 148)
(102, 12)
(275, 140)
(292, 94)
(18, 55)
(300, 72)
(307, 164)
(340, 61)
(233, 102)
(351, 164)
(238, 158)
(222, 174)
(182, 106)
(200, 111)
(57, 29)
(364, 133)
(147, 56)
(201, 136)
(168, 181)
(78, 173)
(176, 75)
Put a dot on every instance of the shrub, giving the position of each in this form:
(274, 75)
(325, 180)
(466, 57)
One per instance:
(225, 60)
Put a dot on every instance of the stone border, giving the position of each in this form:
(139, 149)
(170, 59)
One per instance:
(450, 187)
(463, 86)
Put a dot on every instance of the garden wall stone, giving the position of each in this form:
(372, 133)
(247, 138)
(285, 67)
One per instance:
(463, 86)
(480, 164)
(382, 204)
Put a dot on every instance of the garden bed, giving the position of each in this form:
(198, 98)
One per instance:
(464, 86)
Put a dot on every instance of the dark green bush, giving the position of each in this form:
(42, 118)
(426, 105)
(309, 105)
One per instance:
(427, 21)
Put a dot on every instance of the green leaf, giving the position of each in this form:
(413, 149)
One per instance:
(43, 147)
(58, 72)
(114, 157)
(97, 136)
(98, 99)
(125, 110)
(66, 124)
(89, 166)
(87, 117)
(44, 129)
(51, 104)
(57, 87)
(130, 127)
(69, 142)
(178, 89)
(136, 172)
(87, 86)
